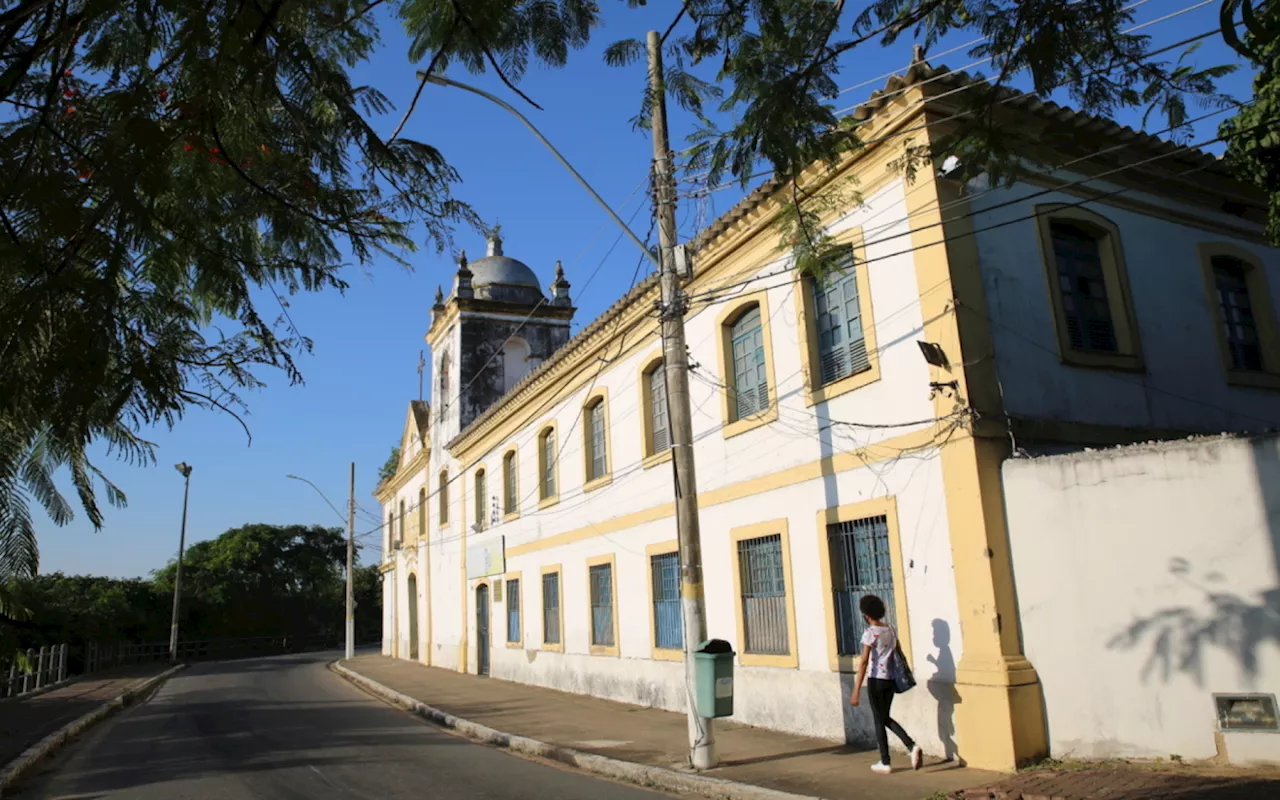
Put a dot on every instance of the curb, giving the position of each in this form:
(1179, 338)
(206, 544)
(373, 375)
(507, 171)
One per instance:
(16, 769)
(659, 778)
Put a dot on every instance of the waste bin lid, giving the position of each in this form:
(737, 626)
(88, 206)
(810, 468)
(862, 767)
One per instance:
(715, 646)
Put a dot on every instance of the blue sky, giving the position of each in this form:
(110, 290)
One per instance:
(363, 371)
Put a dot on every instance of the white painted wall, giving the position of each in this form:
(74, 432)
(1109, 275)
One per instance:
(813, 699)
(1184, 386)
(1147, 580)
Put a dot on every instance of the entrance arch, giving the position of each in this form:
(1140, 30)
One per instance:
(413, 616)
(482, 629)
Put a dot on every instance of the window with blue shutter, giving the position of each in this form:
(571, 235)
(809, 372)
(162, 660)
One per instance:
(601, 579)
(668, 618)
(513, 610)
(597, 463)
(551, 608)
(1083, 286)
(750, 383)
(842, 343)
(860, 565)
(658, 409)
(1243, 343)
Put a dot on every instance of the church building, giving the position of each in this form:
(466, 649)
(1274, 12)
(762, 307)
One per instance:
(849, 432)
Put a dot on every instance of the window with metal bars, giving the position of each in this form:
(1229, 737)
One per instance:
(1083, 287)
(442, 497)
(551, 608)
(513, 610)
(597, 455)
(860, 565)
(547, 463)
(764, 596)
(658, 423)
(1230, 278)
(842, 342)
(601, 578)
(509, 489)
(482, 493)
(750, 383)
(668, 617)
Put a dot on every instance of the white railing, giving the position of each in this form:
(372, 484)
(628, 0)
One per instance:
(48, 666)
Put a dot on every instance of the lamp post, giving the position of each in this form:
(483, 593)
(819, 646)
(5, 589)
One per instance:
(185, 469)
(351, 541)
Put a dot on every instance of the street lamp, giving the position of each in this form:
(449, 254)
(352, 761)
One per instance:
(351, 543)
(185, 469)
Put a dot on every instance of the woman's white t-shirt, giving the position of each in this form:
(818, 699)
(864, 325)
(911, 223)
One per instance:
(882, 642)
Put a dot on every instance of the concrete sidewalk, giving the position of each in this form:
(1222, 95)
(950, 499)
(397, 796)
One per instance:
(26, 720)
(813, 767)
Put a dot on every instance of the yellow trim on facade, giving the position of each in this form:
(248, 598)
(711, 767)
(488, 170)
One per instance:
(655, 652)
(424, 543)
(806, 320)
(546, 501)
(1264, 315)
(514, 453)
(732, 425)
(1000, 706)
(592, 647)
(867, 509)
(507, 579)
(779, 527)
(547, 569)
(1128, 355)
(599, 395)
(874, 453)
(388, 488)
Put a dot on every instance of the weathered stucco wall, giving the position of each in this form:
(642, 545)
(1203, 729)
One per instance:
(1148, 580)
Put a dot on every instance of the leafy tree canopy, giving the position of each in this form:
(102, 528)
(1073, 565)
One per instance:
(164, 160)
(390, 466)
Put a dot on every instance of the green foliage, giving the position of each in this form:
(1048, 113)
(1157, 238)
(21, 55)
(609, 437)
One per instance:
(163, 165)
(255, 580)
(390, 466)
(1253, 148)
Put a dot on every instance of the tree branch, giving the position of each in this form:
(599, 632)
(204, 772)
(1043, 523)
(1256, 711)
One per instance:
(466, 20)
(431, 68)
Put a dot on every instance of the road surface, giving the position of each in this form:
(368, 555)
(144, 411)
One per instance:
(287, 727)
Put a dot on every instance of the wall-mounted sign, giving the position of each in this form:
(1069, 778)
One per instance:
(487, 559)
(1246, 712)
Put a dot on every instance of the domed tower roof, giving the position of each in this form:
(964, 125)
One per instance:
(498, 277)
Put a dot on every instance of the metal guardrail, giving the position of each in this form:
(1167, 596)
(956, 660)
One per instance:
(51, 664)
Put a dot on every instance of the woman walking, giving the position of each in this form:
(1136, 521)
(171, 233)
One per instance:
(879, 642)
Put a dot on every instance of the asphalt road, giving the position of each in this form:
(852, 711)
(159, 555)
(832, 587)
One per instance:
(287, 727)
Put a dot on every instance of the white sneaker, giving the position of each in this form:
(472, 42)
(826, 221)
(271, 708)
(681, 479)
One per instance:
(917, 757)
(881, 769)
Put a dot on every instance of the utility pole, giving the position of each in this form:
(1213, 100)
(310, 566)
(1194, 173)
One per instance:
(351, 548)
(676, 364)
(185, 469)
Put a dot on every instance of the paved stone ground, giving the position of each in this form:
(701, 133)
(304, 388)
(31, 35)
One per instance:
(1133, 782)
(26, 720)
(649, 736)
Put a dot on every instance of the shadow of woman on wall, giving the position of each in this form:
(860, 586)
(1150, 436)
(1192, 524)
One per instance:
(942, 686)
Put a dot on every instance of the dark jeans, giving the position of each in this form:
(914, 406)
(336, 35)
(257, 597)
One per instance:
(881, 693)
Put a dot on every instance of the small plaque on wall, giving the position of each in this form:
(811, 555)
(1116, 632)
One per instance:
(1246, 712)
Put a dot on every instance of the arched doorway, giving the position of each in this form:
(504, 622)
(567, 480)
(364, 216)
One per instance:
(482, 629)
(413, 616)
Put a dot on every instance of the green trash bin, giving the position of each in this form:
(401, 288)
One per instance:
(713, 678)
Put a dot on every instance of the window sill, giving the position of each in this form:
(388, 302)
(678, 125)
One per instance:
(1253, 380)
(547, 502)
(602, 650)
(657, 458)
(515, 645)
(846, 664)
(553, 648)
(759, 660)
(596, 483)
(843, 386)
(750, 423)
(667, 654)
(1124, 362)
(514, 515)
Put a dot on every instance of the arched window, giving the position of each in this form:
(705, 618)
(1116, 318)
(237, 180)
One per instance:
(391, 530)
(442, 402)
(842, 341)
(515, 362)
(750, 380)
(482, 492)
(1077, 253)
(422, 514)
(655, 384)
(442, 497)
(400, 533)
(596, 442)
(510, 498)
(547, 464)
